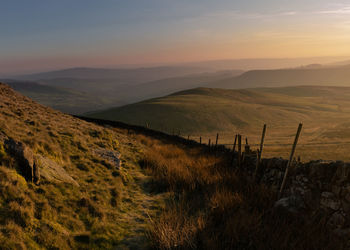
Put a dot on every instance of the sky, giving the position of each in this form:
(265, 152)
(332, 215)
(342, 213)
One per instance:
(46, 34)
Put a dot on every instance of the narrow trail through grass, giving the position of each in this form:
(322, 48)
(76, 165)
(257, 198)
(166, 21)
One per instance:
(138, 204)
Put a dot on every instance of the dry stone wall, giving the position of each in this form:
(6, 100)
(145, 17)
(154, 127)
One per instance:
(317, 188)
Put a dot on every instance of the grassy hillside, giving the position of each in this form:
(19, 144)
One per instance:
(204, 112)
(328, 76)
(84, 201)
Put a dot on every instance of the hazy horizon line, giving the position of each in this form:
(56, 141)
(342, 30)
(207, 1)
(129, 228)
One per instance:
(173, 64)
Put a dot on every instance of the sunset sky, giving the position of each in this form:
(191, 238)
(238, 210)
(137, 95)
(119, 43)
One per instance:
(37, 34)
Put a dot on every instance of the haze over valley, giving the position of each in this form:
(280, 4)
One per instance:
(80, 90)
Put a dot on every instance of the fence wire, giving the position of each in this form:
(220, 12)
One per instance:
(270, 144)
(290, 144)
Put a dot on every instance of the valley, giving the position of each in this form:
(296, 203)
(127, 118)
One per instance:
(79, 90)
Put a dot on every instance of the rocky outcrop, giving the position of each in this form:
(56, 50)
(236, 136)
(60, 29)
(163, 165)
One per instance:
(23, 155)
(34, 167)
(36, 172)
(3, 137)
(52, 172)
(112, 157)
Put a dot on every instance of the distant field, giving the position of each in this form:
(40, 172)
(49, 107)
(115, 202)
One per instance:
(278, 143)
(324, 111)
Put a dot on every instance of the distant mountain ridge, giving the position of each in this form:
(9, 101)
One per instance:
(268, 63)
(137, 75)
(327, 76)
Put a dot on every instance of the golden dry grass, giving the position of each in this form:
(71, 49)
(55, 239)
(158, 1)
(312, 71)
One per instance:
(214, 206)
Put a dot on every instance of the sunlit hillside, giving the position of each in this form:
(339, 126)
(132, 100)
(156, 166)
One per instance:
(324, 111)
(78, 198)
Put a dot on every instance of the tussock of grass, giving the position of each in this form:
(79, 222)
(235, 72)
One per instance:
(215, 206)
(174, 169)
(176, 228)
(2, 152)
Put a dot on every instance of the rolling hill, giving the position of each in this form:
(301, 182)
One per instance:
(326, 76)
(63, 99)
(204, 112)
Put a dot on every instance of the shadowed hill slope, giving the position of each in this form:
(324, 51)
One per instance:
(60, 98)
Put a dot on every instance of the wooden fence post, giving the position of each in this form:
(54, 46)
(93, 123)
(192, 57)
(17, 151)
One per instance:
(247, 147)
(290, 160)
(239, 150)
(216, 146)
(260, 152)
(200, 140)
(234, 149)
(234, 144)
(209, 142)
